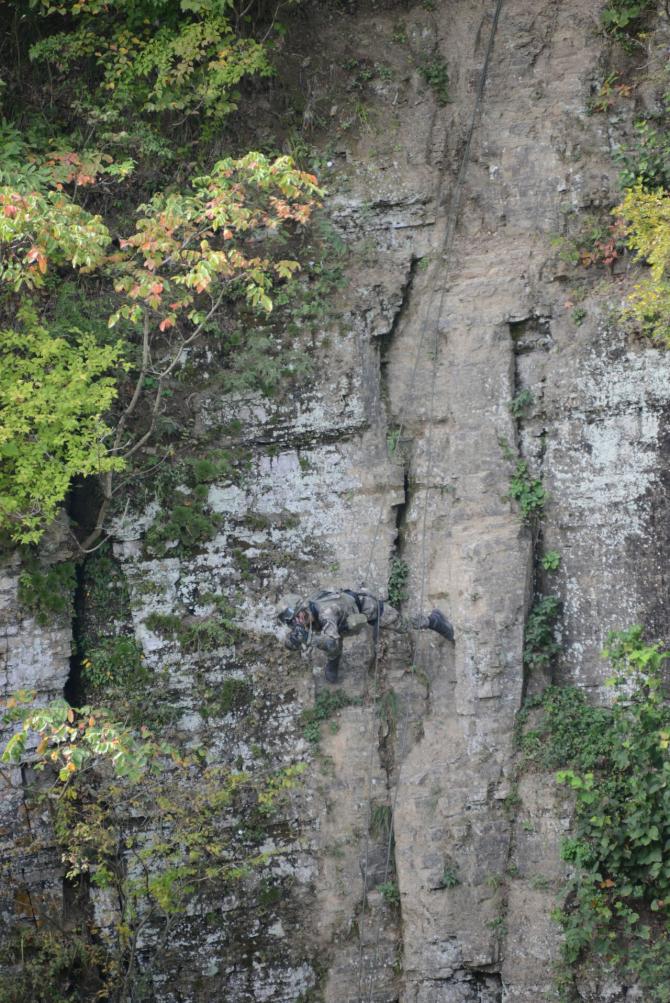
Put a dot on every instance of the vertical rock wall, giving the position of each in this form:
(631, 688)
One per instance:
(425, 353)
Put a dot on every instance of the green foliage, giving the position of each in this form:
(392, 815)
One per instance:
(114, 662)
(610, 91)
(39, 231)
(615, 760)
(528, 492)
(520, 403)
(70, 740)
(98, 778)
(189, 522)
(397, 584)
(52, 395)
(387, 710)
(598, 242)
(47, 592)
(48, 966)
(326, 705)
(187, 528)
(191, 254)
(570, 730)
(577, 315)
(392, 440)
(436, 74)
(540, 645)
(381, 821)
(647, 221)
(306, 301)
(198, 634)
(551, 560)
(450, 878)
(621, 17)
(390, 892)
(647, 163)
(198, 242)
(158, 60)
(616, 904)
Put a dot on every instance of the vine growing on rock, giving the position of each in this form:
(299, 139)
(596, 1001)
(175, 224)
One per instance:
(615, 912)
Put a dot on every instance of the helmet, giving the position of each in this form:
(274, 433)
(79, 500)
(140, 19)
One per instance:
(288, 607)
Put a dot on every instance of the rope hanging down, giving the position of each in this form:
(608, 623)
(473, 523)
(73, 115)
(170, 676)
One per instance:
(452, 221)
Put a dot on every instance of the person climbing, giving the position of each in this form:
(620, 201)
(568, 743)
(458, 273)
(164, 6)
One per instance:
(330, 615)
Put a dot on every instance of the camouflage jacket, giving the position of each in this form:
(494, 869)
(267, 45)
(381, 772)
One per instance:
(330, 611)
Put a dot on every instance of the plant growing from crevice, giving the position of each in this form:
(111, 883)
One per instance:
(114, 662)
(528, 492)
(190, 523)
(520, 403)
(598, 242)
(387, 711)
(396, 590)
(392, 441)
(381, 821)
(540, 646)
(551, 561)
(390, 893)
(610, 91)
(647, 160)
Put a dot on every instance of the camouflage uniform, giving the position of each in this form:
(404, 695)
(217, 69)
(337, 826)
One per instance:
(331, 614)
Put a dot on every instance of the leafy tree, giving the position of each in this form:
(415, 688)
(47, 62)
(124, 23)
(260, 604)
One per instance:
(53, 394)
(38, 230)
(190, 254)
(148, 65)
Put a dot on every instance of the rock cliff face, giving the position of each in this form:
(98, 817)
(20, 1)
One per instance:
(391, 451)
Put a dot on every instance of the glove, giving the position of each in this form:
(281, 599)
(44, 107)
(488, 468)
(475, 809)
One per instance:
(297, 638)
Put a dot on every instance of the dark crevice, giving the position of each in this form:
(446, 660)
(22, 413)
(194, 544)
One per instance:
(401, 517)
(529, 334)
(488, 987)
(83, 503)
(386, 340)
(73, 691)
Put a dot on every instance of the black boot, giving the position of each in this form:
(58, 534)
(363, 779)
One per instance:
(331, 670)
(438, 622)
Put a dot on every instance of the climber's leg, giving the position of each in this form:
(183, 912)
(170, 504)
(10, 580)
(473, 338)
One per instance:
(436, 621)
(331, 671)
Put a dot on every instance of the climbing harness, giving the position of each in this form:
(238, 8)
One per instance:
(452, 220)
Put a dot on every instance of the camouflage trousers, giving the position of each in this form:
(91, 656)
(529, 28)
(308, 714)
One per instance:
(381, 616)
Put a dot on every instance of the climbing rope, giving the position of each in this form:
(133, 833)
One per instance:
(452, 221)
